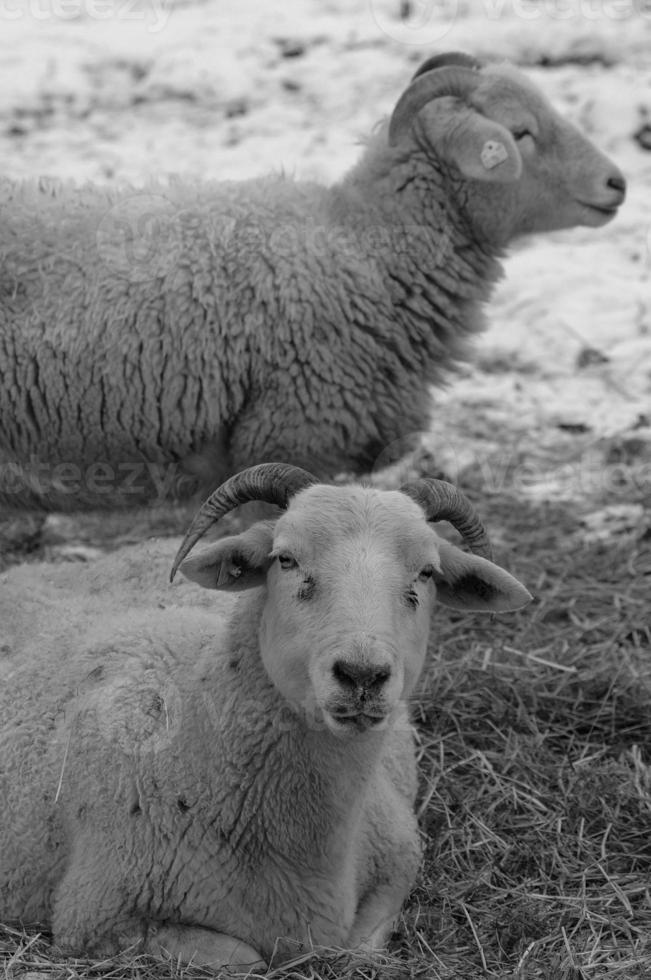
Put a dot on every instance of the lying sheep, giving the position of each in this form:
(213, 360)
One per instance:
(229, 781)
(154, 340)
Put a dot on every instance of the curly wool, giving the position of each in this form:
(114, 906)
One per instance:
(155, 341)
(271, 326)
(107, 771)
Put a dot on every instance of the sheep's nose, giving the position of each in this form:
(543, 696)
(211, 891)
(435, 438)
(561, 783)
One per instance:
(617, 183)
(355, 674)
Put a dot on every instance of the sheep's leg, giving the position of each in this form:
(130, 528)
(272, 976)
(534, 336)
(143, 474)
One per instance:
(203, 947)
(92, 914)
(90, 911)
(376, 917)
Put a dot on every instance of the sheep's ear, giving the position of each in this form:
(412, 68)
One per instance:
(476, 584)
(479, 148)
(235, 563)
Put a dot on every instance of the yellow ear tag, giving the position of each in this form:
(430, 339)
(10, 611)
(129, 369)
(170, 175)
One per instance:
(493, 153)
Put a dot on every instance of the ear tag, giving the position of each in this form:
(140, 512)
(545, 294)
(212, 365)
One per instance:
(493, 153)
(228, 574)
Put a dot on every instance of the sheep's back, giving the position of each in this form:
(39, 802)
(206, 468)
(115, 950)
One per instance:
(65, 627)
(99, 664)
(157, 286)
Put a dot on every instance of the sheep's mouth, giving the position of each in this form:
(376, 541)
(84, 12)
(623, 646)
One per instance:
(355, 721)
(599, 213)
(603, 209)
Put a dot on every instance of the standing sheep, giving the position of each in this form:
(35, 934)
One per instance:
(234, 781)
(271, 318)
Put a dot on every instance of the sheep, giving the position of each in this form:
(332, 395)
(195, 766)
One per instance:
(154, 342)
(231, 782)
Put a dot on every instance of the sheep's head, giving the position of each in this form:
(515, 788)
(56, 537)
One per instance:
(527, 169)
(351, 574)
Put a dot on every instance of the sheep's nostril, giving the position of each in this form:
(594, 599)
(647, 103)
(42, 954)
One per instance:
(617, 183)
(352, 674)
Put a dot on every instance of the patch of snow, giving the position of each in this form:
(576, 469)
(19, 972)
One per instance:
(123, 89)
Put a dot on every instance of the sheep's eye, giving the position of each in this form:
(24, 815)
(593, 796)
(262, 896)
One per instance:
(426, 573)
(519, 134)
(286, 561)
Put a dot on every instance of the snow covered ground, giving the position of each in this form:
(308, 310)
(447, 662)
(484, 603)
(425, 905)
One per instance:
(558, 399)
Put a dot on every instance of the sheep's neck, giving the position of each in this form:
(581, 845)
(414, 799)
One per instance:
(437, 270)
(421, 192)
(295, 786)
(300, 797)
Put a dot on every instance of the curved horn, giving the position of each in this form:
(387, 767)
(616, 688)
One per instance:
(449, 58)
(274, 483)
(451, 80)
(442, 501)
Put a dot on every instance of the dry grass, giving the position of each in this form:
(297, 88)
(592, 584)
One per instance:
(535, 751)
(536, 744)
